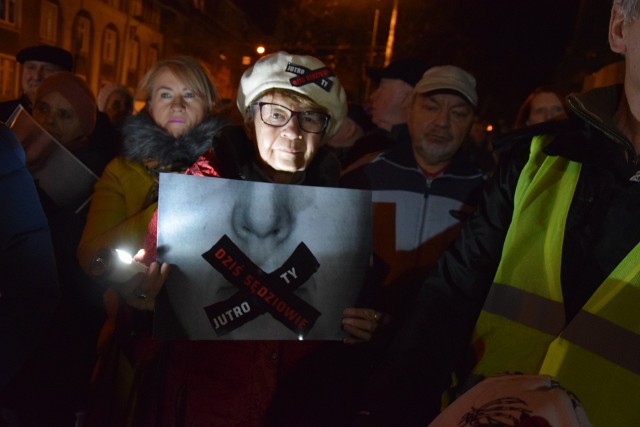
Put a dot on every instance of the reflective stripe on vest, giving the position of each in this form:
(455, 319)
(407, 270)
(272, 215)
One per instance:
(590, 332)
(522, 325)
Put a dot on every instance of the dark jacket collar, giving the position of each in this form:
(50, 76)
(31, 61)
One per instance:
(599, 142)
(597, 107)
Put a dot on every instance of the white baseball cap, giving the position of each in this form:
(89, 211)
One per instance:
(449, 77)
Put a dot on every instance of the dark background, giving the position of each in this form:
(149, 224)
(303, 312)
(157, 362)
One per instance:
(511, 46)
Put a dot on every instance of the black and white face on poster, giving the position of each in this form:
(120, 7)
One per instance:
(259, 261)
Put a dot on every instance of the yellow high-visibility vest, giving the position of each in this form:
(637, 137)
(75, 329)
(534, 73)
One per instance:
(522, 326)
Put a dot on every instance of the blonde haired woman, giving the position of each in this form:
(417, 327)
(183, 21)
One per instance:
(175, 127)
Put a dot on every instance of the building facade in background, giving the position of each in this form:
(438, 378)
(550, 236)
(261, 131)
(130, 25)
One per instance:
(118, 40)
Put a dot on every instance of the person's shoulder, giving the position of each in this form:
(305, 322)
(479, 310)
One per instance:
(361, 164)
(377, 139)
(7, 107)
(231, 134)
(120, 165)
(233, 150)
(324, 169)
(521, 138)
(11, 153)
(465, 164)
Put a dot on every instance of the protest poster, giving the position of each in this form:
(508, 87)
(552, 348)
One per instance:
(259, 261)
(64, 178)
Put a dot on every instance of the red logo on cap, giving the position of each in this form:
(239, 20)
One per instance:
(305, 76)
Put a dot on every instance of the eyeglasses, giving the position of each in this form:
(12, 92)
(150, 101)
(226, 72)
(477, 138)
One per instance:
(276, 115)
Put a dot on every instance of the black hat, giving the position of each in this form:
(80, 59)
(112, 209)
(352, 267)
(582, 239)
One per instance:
(357, 113)
(46, 53)
(408, 70)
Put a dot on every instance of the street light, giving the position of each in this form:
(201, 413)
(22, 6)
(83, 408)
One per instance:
(392, 34)
(260, 49)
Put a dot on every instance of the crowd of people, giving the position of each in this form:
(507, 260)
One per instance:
(496, 282)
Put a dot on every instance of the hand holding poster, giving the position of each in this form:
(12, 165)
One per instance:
(64, 178)
(259, 261)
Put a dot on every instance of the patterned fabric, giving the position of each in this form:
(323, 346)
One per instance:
(515, 401)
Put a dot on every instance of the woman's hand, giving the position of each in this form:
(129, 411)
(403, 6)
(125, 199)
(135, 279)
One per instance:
(362, 323)
(141, 290)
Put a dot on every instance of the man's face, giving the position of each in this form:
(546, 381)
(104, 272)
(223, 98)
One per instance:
(624, 38)
(287, 148)
(56, 115)
(390, 102)
(545, 106)
(33, 74)
(173, 106)
(438, 124)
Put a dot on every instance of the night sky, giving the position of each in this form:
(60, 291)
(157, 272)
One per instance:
(511, 46)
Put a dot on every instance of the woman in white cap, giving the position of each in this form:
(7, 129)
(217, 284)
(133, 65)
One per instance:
(287, 123)
(291, 104)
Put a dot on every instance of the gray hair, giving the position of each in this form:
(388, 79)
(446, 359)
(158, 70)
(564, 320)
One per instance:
(630, 9)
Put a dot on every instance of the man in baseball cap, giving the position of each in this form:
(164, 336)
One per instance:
(441, 115)
(38, 63)
(419, 182)
(451, 79)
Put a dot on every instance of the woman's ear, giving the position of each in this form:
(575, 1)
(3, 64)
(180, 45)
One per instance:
(617, 40)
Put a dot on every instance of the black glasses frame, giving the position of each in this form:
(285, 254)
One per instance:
(301, 123)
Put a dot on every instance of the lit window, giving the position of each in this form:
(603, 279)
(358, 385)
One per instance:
(8, 78)
(136, 8)
(155, 15)
(83, 35)
(152, 56)
(134, 53)
(109, 46)
(49, 22)
(199, 5)
(9, 12)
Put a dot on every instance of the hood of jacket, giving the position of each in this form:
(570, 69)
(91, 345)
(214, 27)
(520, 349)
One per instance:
(144, 140)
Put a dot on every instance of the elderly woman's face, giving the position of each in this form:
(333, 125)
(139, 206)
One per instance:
(173, 106)
(56, 115)
(287, 148)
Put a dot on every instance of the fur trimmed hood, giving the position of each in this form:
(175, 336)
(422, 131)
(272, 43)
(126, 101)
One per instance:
(144, 140)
